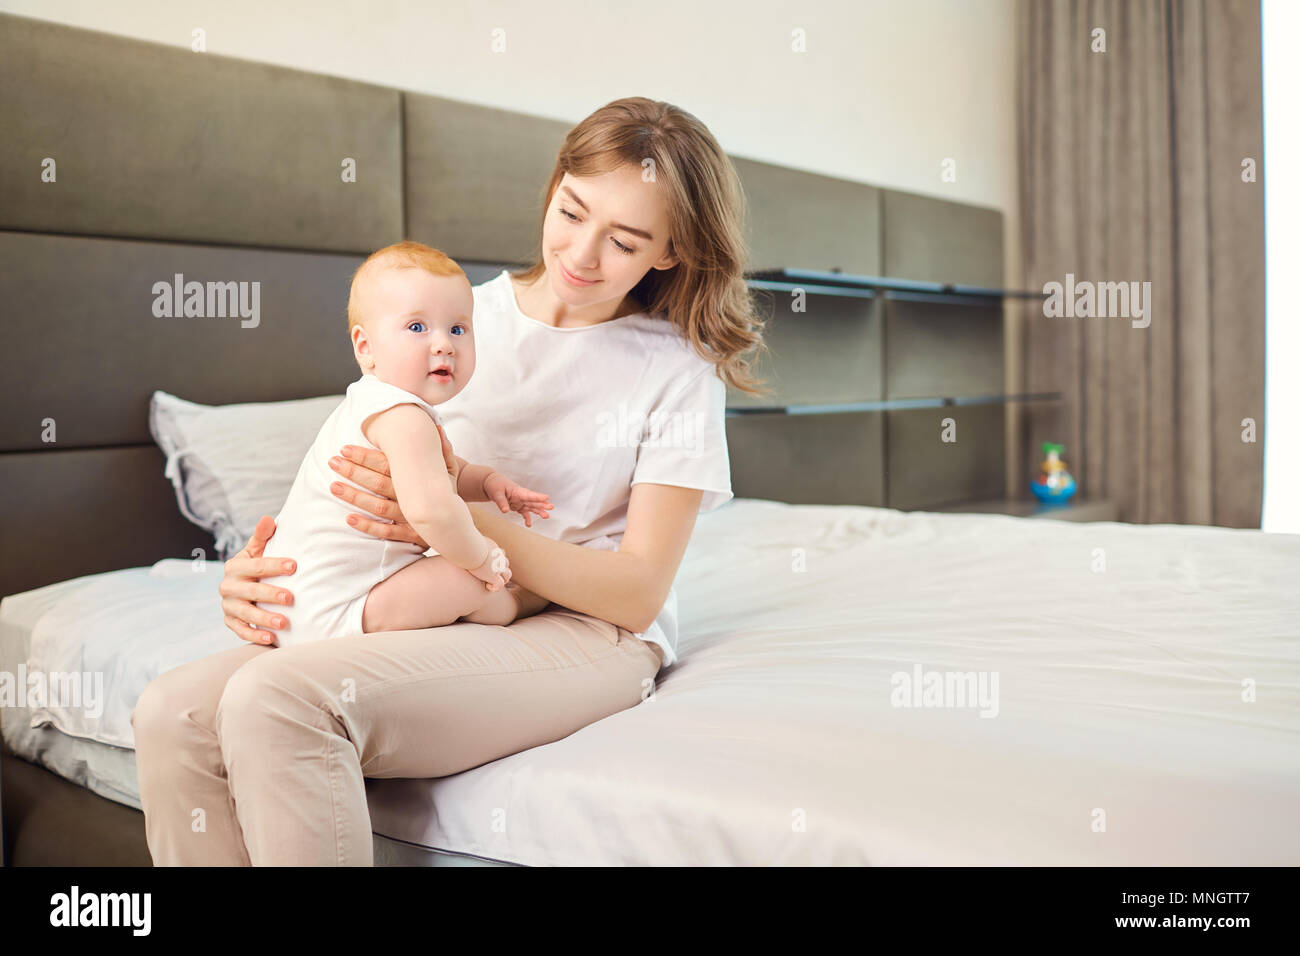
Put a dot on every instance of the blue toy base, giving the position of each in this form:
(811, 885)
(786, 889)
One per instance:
(1056, 496)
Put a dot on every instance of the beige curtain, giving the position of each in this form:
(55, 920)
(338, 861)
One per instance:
(1131, 169)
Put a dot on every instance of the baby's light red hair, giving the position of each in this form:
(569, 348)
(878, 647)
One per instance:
(407, 254)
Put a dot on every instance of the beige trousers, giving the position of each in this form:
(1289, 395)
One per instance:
(257, 755)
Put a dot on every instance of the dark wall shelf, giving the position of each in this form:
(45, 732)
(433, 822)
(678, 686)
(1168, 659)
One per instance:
(1097, 509)
(778, 285)
(895, 404)
(863, 286)
(864, 367)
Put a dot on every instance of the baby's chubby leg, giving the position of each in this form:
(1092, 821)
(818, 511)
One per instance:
(432, 592)
(507, 606)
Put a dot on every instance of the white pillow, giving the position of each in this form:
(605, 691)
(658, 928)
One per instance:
(231, 464)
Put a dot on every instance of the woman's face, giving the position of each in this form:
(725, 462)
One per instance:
(611, 229)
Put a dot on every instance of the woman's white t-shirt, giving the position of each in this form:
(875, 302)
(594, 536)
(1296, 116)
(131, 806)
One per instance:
(584, 413)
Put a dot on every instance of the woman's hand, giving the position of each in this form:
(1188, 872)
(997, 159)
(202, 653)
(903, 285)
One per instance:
(241, 587)
(368, 467)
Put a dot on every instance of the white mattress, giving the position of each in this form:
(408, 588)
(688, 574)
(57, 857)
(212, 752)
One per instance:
(1120, 733)
(53, 628)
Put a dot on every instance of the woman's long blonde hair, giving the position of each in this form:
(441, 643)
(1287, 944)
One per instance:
(704, 295)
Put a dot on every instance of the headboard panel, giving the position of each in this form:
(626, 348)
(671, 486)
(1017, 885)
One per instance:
(86, 349)
(160, 143)
(475, 176)
(83, 511)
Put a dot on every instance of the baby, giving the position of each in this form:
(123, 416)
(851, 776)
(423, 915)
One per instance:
(410, 320)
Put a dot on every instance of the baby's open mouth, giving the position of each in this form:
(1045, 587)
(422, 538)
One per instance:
(441, 373)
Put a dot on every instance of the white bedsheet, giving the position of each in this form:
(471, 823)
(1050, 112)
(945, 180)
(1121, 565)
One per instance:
(1121, 735)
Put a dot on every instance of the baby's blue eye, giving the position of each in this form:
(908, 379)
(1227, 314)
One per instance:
(462, 328)
(413, 325)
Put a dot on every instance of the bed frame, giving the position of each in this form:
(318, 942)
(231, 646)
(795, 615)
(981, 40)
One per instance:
(126, 163)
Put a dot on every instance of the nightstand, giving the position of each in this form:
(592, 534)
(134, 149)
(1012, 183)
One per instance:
(1095, 509)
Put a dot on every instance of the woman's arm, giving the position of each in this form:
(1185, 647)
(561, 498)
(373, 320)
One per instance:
(627, 587)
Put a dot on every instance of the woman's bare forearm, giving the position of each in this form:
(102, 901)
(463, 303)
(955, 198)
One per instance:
(611, 585)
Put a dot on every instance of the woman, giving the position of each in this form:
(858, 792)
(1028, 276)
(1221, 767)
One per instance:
(601, 382)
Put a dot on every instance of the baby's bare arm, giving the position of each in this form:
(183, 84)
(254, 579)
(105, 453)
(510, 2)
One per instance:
(470, 484)
(413, 445)
(469, 478)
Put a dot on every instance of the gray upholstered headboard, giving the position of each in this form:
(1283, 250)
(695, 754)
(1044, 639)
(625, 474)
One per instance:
(126, 163)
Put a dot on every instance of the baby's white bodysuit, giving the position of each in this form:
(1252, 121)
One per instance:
(337, 564)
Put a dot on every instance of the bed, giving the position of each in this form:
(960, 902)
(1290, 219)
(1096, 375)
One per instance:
(1144, 710)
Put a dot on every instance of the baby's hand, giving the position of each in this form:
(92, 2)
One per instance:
(512, 496)
(495, 570)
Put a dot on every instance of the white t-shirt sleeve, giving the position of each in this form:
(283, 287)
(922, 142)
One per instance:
(684, 441)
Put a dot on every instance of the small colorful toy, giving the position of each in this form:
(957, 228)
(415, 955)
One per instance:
(1054, 484)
